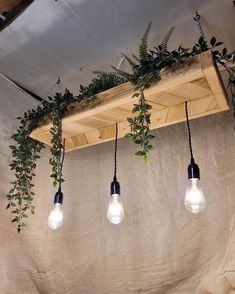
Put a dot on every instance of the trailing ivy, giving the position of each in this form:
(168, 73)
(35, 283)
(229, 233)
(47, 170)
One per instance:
(140, 131)
(102, 82)
(146, 70)
(58, 147)
(25, 151)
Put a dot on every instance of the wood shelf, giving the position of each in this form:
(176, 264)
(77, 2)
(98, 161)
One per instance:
(196, 81)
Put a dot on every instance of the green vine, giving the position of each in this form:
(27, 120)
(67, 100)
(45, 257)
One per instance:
(146, 70)
(140, 131)
(24, 153)
(26, 150)
(58, 147)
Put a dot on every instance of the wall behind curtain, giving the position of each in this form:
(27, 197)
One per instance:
(159, 248)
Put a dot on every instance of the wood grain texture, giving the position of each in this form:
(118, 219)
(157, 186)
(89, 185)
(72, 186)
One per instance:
(196, 81)
(8, 5)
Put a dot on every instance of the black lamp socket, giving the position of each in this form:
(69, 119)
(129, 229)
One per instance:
(193, 170)
(115, 187)
(58, 196)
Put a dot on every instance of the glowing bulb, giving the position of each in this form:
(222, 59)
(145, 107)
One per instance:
(194, 198)
(55, 218)
(115, 211)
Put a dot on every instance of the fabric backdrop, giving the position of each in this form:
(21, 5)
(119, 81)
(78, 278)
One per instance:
(160, 248)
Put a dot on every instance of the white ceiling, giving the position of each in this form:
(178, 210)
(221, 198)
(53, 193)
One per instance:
(72, 38)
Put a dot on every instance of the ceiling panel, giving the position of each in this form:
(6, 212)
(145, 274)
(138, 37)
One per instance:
(71, 38)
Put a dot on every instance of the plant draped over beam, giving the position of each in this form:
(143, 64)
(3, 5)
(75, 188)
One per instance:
(26, 151)
(145, 69)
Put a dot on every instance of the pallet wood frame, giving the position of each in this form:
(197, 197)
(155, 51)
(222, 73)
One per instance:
(196, 81)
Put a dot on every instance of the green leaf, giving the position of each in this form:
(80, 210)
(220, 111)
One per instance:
(213, 41)
(130, 120)
(224, 52)
(146, 159)
(129, 135)
(150, 147)
(135, 95)
(140, 153)
(137, 141)
(218, 44)
(150, 136)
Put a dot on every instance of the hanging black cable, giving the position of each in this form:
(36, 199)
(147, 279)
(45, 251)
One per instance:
(59, 195)
(189, 131)
(194, 198)
(193, 169)
(115, 186)
(55, 218)
(115, 212)
(115, 150)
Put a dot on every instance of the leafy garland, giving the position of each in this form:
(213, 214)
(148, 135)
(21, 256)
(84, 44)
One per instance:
(25, 151)
(140, 126)
(145, 70)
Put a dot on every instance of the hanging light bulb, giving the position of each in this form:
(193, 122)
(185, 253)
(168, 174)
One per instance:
(55, 218)
(194, 198)
(115, 212)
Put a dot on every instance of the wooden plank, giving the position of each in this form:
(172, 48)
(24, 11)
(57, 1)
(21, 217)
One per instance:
(197, 82)
(166, 99)
(175, 114)
(8, 5)
(190, 91)
(202, 82)
(122, 94)
(213, 78)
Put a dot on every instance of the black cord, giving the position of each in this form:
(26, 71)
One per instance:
(189, 131)
(62, 160)
(115, 153)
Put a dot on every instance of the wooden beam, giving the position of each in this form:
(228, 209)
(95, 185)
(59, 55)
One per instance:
(183, 73)
(196, 81)
(8, 5)
(214, 80)
(175, 114)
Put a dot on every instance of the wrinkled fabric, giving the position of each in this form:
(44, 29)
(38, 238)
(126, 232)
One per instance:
(160, 248)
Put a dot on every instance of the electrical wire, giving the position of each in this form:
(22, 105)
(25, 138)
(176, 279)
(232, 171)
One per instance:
(115, 152)
(189, 131)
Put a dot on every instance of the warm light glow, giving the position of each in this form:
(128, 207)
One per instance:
(55, 218)
(194, 197)
(115, 211)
